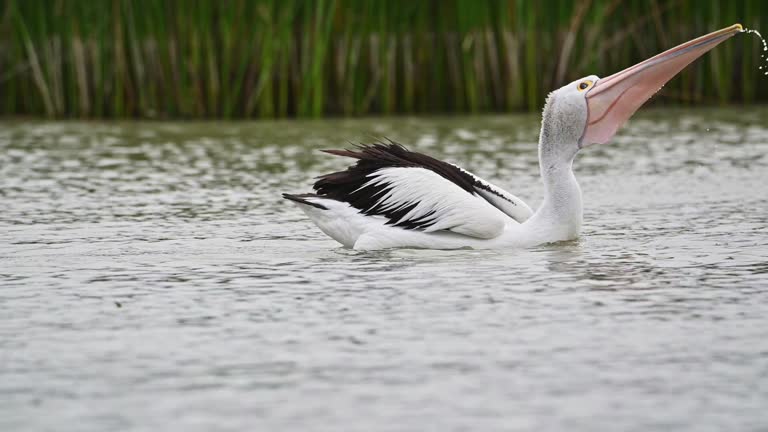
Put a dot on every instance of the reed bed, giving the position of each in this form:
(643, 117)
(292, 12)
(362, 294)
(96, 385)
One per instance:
(292, 58)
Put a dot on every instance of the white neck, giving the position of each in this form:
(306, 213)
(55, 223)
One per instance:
(559, 216)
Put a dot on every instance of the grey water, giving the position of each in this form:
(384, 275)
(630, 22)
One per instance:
(151, 278)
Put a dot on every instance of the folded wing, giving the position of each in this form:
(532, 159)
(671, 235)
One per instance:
(414, 191)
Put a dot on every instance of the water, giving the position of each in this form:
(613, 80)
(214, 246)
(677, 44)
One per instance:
(153, 279)
(765, 48)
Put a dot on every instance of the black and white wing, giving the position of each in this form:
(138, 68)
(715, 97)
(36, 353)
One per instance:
(415, 191)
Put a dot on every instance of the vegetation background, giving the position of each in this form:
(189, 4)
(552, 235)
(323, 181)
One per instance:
(286, 58)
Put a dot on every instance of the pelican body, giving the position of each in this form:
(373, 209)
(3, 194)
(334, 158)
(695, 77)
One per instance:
(393, 198)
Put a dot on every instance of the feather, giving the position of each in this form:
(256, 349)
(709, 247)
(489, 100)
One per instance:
(417, 192)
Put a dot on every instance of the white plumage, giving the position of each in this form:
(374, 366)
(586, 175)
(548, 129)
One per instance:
(438, 203)
(511, 205)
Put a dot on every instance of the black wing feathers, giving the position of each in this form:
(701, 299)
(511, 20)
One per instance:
(373, 157)
(350, 185)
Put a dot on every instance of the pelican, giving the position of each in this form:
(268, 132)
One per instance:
(396, 198)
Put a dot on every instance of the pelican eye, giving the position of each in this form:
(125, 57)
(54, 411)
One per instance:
(584, 85)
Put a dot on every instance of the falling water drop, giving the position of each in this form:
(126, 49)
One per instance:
(765, 47)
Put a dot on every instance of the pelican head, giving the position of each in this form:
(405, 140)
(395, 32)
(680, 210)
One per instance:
(590, 110)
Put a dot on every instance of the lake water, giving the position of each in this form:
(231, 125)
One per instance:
(153, 279)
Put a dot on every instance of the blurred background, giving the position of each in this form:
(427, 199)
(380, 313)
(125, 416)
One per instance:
(288, 58)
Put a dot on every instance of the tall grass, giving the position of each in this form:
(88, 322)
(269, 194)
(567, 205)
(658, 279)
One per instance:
(309, 58)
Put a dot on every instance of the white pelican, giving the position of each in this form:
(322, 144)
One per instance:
(393, 197)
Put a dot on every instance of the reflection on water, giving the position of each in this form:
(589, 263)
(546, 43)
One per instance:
(151, 274)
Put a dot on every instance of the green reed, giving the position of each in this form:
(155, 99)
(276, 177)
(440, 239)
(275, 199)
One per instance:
(309, 58)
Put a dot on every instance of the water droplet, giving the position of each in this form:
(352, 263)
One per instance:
(765, 44)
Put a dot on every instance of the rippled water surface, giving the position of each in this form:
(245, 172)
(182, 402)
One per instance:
(153, 279)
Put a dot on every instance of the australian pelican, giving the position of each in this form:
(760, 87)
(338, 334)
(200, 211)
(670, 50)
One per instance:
(392, 197)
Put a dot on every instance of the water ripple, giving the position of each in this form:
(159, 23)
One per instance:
(151, 273)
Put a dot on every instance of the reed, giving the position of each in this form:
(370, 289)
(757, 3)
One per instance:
(310, 58)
